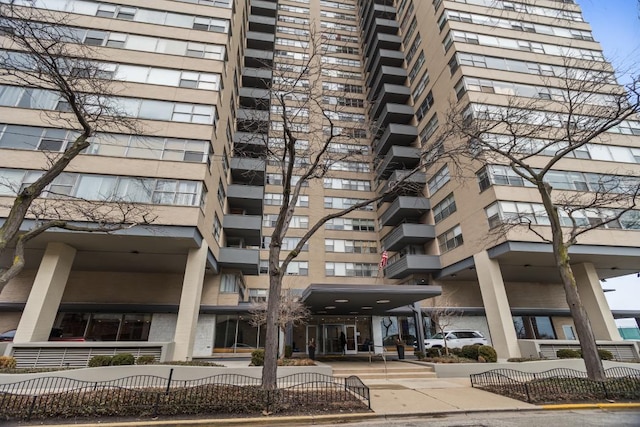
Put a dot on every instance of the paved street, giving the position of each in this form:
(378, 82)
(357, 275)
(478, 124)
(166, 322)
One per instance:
(548, 418)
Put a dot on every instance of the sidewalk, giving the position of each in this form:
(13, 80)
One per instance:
(390, 398)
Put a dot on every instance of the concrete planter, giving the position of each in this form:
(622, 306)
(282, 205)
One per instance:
(179, 372)
(459, 370)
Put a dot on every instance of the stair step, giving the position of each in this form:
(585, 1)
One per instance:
(388, 375)
(381, 370)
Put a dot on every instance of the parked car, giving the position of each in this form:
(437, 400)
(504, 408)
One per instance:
(456, 339)
(7, 335)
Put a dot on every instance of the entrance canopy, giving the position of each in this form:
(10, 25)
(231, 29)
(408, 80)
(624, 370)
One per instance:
(376, 300)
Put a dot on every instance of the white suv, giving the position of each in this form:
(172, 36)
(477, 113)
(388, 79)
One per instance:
(456, 339)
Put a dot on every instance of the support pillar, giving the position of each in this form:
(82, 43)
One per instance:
(46, 293)
(594, 302)
(496, 306)
(189, 309)
(419, 321)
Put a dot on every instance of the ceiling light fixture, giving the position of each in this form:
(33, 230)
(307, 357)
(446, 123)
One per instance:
(383, 301)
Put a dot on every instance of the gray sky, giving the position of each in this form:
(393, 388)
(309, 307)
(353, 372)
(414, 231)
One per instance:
(616, 25)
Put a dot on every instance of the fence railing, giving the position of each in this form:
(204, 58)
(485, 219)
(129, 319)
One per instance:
(155, 396)
(622, 383)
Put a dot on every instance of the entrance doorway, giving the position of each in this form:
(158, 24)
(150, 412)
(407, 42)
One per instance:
(334, 336)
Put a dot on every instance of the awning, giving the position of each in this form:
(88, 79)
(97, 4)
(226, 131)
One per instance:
(340, 299)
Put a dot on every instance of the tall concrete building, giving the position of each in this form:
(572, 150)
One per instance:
(200, 75)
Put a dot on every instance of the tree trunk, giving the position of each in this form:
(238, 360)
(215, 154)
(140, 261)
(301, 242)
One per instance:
(592, 361)
(270, 368)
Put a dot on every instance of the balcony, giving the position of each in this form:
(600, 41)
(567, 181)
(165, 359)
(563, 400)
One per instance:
(249, 198)
(395, 134)
(408, 234)
(385, 74)
(254, 98)
(263, 24)
(397, 158)
(247, 227)
(395, 113)
(405, 208)
(247, 170)
(256, 77)
(412, 264)
(383, 41)
(397, 94)
(256, 58)
(260, 41)
(245, 260)
(263, 8)
(412, 185)
(391, 58)
(249, 144)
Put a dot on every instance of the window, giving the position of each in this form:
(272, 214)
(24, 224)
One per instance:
(350, 269)
(221, 193)
(450, 239)
(217, 227)
(534, 327)
(439, 180)
(351, 246)
(228, 284)
(352, 224)
(445, 208)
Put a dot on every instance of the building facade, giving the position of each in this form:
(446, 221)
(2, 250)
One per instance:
(203, 78)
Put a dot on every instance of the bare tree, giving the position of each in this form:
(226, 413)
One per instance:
(292, 311)
(45, 56)
(312, 133)
(580, 106)
(443, 316)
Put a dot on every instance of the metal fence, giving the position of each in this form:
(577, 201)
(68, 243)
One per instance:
(154, 396)
(622, 383)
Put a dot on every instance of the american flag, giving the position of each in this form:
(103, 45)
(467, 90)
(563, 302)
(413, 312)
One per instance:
(383, 260)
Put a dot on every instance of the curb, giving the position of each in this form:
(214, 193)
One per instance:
(592, 406)
(286, 420)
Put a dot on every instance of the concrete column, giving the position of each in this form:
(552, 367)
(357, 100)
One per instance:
(45, 296)
(192, 283)
(496, 306)
(419, 321)
(602, 322)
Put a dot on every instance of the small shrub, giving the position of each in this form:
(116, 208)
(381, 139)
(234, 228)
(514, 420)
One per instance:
(434, 352)
(123, 359)
(449, 359)
(605, 354)
(7, 362)
(146, 360)
(288, 351)
(470, 352)
(567, 353)
(455, 351)
(488, 353)
(190, 363)
(97, 361)
(296, 362)
(523, 359)
(418, 354)
(257, 357)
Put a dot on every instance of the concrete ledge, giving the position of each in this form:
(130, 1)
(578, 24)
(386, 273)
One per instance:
(453, 370)
(570, 406)
(108, 373)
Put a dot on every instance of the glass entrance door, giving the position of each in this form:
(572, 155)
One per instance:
(339, 339)
(352, 344)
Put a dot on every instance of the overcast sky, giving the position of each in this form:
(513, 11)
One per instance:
(616, 25)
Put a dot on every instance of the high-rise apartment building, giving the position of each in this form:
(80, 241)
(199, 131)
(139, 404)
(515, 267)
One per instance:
(201, 76)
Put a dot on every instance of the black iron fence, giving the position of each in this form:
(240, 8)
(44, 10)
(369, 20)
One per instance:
(622, 383)
(154, 396)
